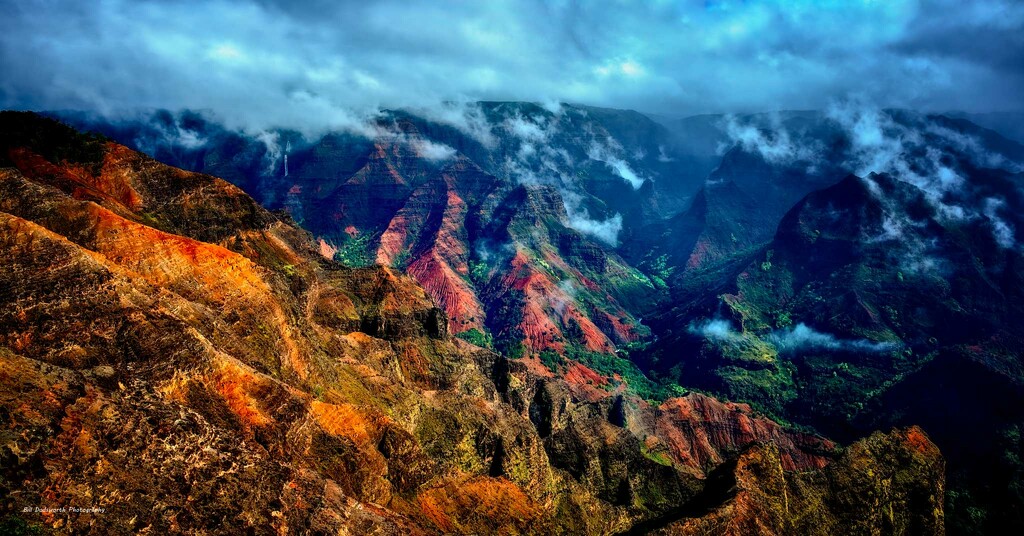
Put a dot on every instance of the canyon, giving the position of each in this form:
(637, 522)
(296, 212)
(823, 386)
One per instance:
(161, 330)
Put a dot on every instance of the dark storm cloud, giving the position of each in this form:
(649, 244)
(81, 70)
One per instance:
(322, 63)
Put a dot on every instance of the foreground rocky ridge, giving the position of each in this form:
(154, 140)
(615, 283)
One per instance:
(175, 354)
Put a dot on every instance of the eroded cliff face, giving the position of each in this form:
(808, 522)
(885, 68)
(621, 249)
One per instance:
(173, 353)
(498, 257)
(498, 226)
(876, 487)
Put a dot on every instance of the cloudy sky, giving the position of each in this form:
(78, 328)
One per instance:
(287, 62)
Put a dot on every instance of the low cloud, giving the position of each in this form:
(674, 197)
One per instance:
(775, 144)
(606, 231)
(802, 337)
(606, 153)
(529, 130)
(715, 329)
(534, 162)
(914, 254)
(971, 147)
(465, 116)
(922, 151)
(798, 338)
(274, 152)
(662, 156)
(166, 130)
(880, 144)
(432, 151)
(1002, 231)
(491, 253)
(561, 302)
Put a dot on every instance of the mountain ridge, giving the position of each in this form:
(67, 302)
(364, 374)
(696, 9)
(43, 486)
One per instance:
(256, 384)
(554, 232)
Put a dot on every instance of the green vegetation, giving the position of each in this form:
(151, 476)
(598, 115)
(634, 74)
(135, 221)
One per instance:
(627, 372)
(16, 526)
(401, 260)
(478, 271)
(963, 510)
(445, 437)
(656, 456)
(552, 360)
(767, 389)
(50, 139)
(358, 251)
(843, 389)
(511, 349)
(1012, 460)
(659, 270)
(629, 286)
(746, 349)
(766, 296)
(742, 367)
(482, 339)
(150, 219)
(782, 319)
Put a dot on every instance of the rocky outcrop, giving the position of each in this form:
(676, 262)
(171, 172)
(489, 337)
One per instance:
(874, 488)
(698, 429)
